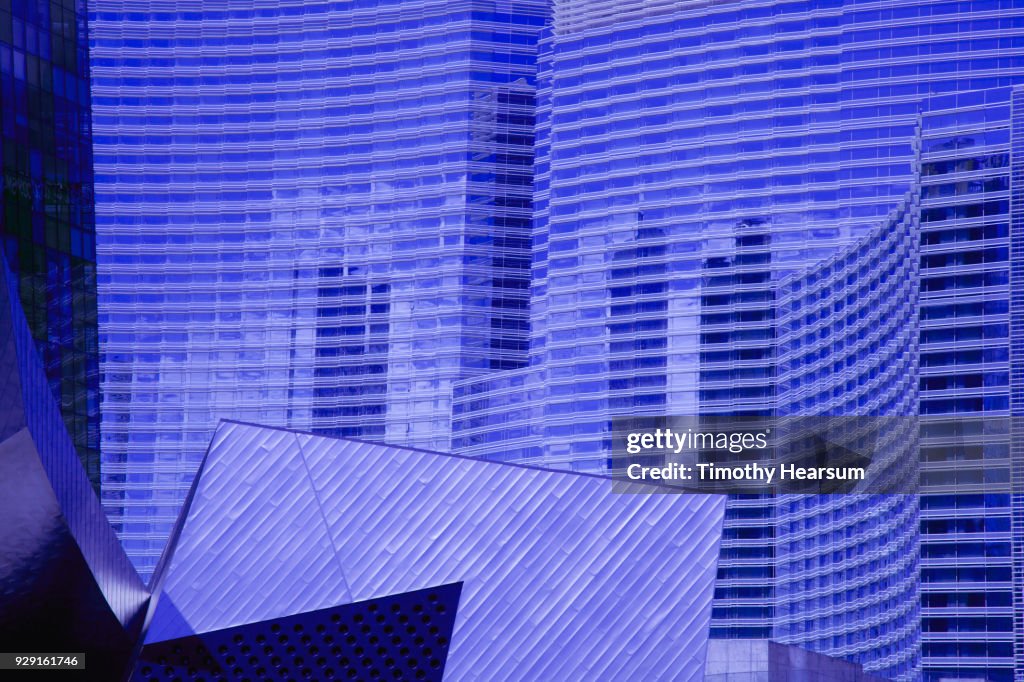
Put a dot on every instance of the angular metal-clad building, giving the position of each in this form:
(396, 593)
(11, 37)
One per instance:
(560, 578)
(303, 556)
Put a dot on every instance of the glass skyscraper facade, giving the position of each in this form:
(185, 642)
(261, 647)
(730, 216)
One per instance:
(691, 157)
(492, 227)
(311, 214)
(691, 153)
(47, 220)
(845, 568)
(967, 513)
(837, 574)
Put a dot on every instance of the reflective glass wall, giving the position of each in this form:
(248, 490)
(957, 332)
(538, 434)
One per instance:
(970, 630)
(691, 156)
(846, 568)
(310, 214)
(47, 218)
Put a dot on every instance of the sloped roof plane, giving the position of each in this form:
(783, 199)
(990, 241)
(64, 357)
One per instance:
(562, 579)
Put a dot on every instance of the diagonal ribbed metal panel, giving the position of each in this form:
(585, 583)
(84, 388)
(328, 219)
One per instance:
(255, 534)
(562, 578)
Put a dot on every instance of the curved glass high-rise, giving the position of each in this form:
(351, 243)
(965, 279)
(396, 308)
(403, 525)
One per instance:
(689, 154)
(311, 214)
(838, 574)
(846, 568)
(690, 157)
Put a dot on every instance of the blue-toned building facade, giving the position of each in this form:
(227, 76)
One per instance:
(47, 219)
(970, 616)
(846, 568)
(312, 215)
(689, 154)
(838, 574)
(690, 157)
(290, 239)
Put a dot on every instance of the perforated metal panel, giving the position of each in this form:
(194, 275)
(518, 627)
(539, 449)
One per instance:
(403, 637)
